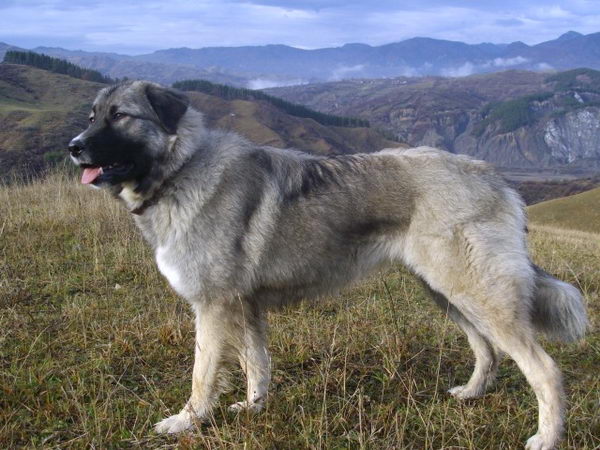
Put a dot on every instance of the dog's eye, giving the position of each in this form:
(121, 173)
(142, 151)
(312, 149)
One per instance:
(117, 116)
(92, 119)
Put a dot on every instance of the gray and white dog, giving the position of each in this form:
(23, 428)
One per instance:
(238, 229)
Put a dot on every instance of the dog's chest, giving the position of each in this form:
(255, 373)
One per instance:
(170, 270)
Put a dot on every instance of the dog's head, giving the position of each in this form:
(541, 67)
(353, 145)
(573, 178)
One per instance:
(131, 126)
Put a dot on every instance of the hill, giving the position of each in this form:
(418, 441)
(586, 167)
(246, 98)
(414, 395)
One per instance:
(293, 109)
(55, 65)
(513, 119)
(539, 191)
(577, 212)
(41, 111)
(265, 124)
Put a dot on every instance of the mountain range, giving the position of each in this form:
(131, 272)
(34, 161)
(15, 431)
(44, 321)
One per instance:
(275, 65)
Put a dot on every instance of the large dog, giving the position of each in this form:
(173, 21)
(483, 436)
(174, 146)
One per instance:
(238, 229)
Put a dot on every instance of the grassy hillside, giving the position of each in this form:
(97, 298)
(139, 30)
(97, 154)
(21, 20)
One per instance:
(55, 65)
(542, 190)
(577, 212)
(293, 109)
(95, 348)
(265, 124)
(39, 113)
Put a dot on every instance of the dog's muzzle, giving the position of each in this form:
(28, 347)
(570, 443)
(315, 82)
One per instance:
(76, 146)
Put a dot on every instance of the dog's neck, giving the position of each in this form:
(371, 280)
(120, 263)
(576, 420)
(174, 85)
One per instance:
(180, 151)
(138, 203)
(144, 205)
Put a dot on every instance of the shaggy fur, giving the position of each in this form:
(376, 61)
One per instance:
(238, 229)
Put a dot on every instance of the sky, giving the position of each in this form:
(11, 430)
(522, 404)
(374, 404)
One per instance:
(137, 27)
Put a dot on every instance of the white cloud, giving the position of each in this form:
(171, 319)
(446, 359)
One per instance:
(544, 67)
(265, 83)
(508, 62)
(465, 70)
(346, 72)
(469, 68)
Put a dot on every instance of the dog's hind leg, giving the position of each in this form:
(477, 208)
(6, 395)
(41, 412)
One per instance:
(486, 355)
(253, 355)
(516, 337)
(490, 281)
(502, 314)
(210, 345)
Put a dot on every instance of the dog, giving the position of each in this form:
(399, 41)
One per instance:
(238, 229)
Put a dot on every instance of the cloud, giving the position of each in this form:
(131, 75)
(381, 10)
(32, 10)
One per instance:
(511, 22)
(469, 68)
(265, 83)
(508, 62)
(128, 27)
(346, 72)
(544, 67)
(465, 70)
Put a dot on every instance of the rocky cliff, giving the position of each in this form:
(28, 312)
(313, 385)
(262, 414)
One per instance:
(512, 119)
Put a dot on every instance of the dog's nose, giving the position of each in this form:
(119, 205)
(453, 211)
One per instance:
(76, 146)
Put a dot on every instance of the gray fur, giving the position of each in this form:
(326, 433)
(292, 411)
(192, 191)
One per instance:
(238, 229)
(558, 308)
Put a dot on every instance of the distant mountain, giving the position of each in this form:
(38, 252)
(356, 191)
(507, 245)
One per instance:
(513, 119)
(123, 66)
(41, 111)
(280, 65)
(413, 57)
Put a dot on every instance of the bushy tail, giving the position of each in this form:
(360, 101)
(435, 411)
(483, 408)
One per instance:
(558, 308)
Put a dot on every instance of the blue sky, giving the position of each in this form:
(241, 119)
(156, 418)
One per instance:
(134, 27)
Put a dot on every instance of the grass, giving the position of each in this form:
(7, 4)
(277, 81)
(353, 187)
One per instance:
(576, 212)
(95, 348)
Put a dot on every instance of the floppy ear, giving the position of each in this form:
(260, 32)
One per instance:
(168, 104)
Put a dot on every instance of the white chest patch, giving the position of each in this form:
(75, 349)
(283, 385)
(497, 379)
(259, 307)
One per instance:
(168, 270)
(129, 195)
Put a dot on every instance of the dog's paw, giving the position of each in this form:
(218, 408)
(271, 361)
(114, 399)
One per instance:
(465, 392)
(253, 407)
(537, 442)
(175, 424)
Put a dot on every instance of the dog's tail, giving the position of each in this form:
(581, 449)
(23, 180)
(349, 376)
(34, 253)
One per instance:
(558, 308)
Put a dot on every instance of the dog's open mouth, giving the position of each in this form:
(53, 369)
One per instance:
(91, 174)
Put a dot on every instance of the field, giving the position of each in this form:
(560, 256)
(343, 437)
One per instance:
(95, 348)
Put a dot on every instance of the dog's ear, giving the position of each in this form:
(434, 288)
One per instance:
(168, 104)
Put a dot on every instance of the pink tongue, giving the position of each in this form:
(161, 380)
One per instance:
(90, 174)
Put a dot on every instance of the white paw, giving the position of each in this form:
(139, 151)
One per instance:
(537, 442)
(175, 424)
(253, 407)
(465, 392)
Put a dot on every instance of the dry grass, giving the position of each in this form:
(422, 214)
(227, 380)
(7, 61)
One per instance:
(95, 348)
(576, 212)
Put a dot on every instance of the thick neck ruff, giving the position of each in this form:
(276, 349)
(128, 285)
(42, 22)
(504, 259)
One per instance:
(150, 201)
(158, 193)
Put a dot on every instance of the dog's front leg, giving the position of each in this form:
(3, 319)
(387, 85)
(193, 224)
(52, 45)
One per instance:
(253, 355)
(208, 358)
